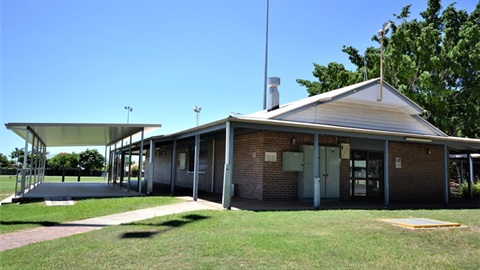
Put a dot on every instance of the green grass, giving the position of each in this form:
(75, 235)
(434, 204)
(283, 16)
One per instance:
(14, 217)
(335, 239)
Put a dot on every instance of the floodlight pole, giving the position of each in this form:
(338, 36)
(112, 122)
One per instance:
(381, 66)
(197, 110)
(381, 33)
(129, 109)
(266, 62)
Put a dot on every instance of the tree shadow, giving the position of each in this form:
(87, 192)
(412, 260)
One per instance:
(170, 225)
(138, 235)
(41, 223)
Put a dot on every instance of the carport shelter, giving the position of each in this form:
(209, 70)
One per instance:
(39, 136)
(366, 140)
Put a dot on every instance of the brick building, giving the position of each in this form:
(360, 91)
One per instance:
(369, 141)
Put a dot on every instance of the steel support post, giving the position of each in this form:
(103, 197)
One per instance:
(140, 164)
(446, 186)
(386, 177)
(151, 163)
(24, 168)
(316, 178)
(173, 172)
(195, 167)
(129, 164)
(470, 176)
(228, 169)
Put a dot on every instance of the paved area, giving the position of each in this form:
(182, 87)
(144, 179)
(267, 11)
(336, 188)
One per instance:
(18, 239)
(79, 190)
(75, 190)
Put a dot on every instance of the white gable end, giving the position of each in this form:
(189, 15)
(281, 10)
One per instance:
(361, 105)
(389, 97)
(366, 115)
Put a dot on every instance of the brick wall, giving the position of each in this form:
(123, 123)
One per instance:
(248, 165)
(345, 179)
(219, 164)
(421, 174)
(257, 179)
(278, 184)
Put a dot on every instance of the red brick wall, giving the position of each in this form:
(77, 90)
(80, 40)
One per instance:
(257, 179)
(248, 162)
(421, 174)
(345, 179)
(219, 164)
(278, 184)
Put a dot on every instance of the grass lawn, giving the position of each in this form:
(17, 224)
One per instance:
(329, 239)
(16, 217)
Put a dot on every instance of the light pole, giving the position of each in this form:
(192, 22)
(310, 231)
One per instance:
(197, 111)
(129, 109)
(266, 62)
(381, 33)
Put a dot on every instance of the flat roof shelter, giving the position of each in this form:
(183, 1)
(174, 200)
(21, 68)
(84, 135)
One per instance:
(41, 135)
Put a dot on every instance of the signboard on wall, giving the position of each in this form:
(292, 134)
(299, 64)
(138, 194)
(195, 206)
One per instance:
(183, 161)
(270, 156)
(398, 162)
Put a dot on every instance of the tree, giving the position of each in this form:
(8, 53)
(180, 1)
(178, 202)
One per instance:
(17, 156)
(63, 160)
(4, 162)
(434, 61)
(91, 160)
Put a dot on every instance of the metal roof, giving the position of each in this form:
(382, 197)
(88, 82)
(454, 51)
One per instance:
(409, 105)
(79, 134)
(459, 143)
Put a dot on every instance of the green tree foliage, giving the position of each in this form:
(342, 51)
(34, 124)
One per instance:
(91, 160)
(435, 61)
(4, 162)
(17, 156)
(63, 160)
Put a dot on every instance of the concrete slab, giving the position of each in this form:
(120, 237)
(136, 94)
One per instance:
(422, 223)
(59, 201)
(78, 190)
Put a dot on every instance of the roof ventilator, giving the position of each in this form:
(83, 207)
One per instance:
(273, 100)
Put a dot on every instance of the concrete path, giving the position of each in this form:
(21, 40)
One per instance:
(18, 239)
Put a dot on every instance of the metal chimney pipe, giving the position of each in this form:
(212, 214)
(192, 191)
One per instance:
(273, 100)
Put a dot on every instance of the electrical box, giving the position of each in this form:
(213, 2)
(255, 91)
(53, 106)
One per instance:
(292, 161)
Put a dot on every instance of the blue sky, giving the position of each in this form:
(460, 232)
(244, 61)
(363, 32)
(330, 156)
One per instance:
(84, 61)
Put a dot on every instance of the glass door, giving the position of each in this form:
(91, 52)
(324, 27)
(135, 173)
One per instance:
(358, 170)
(366, 174)
(375, 174)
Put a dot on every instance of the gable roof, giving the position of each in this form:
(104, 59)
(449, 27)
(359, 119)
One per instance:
(358, 106)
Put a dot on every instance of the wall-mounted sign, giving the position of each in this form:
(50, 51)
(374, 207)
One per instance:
(183, 161)
(398, 162)
(270, 156)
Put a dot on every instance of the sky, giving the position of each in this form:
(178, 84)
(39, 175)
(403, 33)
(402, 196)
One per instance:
(83, 61)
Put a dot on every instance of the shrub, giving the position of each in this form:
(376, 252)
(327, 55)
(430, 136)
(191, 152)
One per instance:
(464, 190)
(134, 170)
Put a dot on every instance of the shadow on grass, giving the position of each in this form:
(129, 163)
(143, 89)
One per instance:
(50, 224)
(41, 223)
(170, 225)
